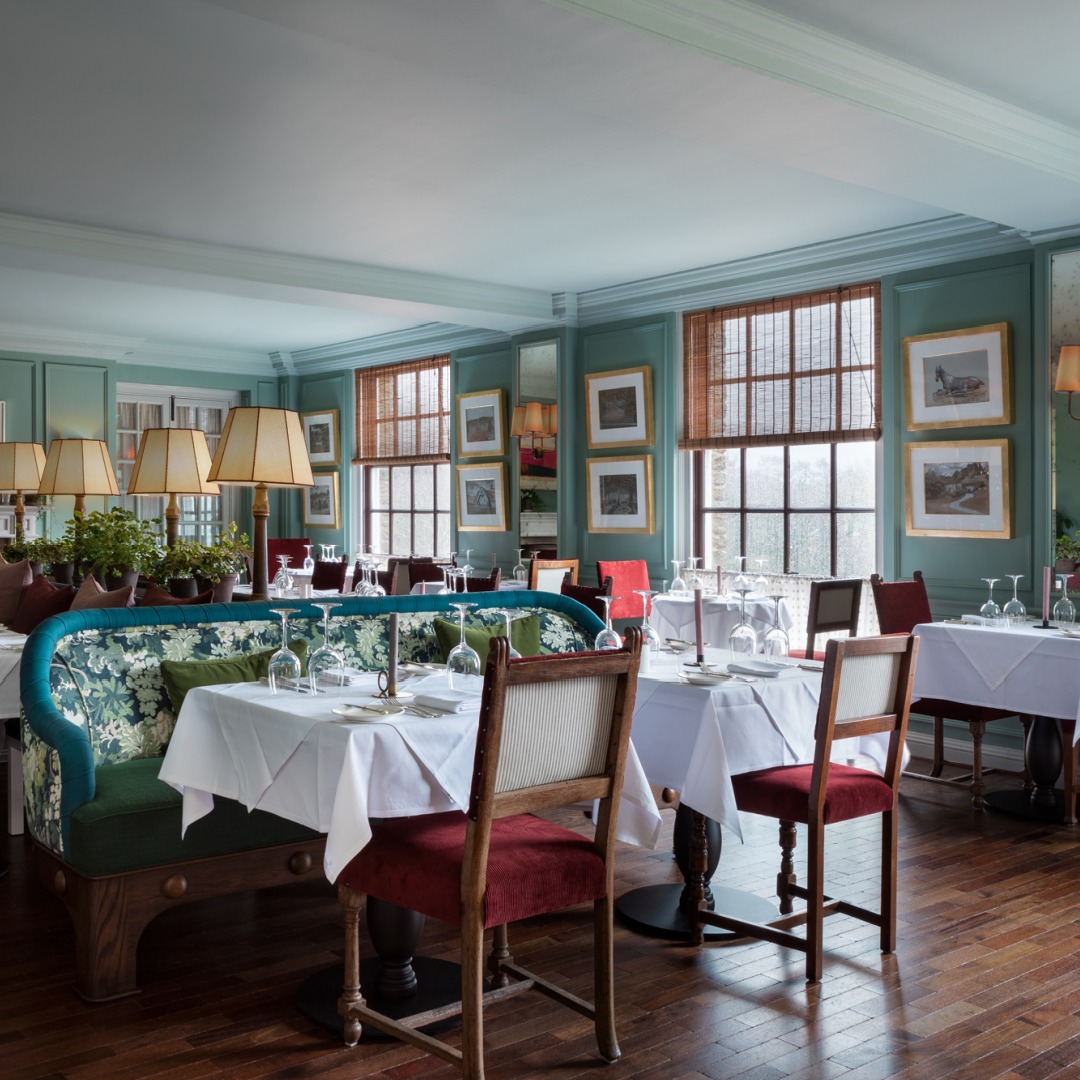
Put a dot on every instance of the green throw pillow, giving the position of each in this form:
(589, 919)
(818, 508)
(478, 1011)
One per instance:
(524, 636)
(180, 676)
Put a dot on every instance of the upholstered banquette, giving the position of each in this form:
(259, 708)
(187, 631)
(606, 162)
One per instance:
(96, 723)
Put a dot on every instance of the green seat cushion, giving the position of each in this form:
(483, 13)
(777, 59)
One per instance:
(180, 676)
(524, 636)
(133, 822)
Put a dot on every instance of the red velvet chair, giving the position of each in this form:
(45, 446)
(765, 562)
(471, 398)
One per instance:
(484, 584)
(865, 689)
(293, 547)
(834, 605)
(626, 576)
(585, 594)
(330, 573)
(553, 730)
(901, 606)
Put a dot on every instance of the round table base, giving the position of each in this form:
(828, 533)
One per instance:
(654, 910)
(438, 983)
(1020, 804)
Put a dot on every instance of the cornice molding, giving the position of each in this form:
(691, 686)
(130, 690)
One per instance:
(200, 358)
(15, 337)
(780, 47)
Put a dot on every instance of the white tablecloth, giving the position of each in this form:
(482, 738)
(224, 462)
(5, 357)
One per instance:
(283, 753)
(1018, 668)
(10, 658)
(673, 617)
(695, 738)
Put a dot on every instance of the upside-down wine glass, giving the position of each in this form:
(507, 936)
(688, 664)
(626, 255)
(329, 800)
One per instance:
(520, 573)
(509, 618)
(741, 584)
(650, 639)
(463, 661)
(607, 638)
(284, 670)
(990, 609)
(325, 658)
(761, 582)
(283, 579)
(678, 585)
(693, 580)
(309, 562)
(1064, 609)
(743, 640)
(776, 643)
(1014, 609)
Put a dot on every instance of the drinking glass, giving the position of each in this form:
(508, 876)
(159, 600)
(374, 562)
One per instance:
(741, 584)
(520, 573)
(309, 562)
(1014, 609)
(505, 613)
(325, 658)
(283, 579)
(463, 662)
(761, 582)
(322, 552)
(1064, 609)
(678, 585)
(776, 643)
(284, 670)
(607, 638)
(742, 640)
(990, 609)
(650, 639)
(333, 549)
(694, 581)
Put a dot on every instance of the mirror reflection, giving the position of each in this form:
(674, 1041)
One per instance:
(1065, 431)
(535, 426)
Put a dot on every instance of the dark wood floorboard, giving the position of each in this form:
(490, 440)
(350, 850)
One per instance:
(985, 982)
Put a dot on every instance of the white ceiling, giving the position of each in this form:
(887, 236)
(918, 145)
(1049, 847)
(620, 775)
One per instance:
(262, 176)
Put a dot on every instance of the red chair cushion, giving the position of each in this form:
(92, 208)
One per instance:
(534, 866)
(626, 576)
(784, 793)
(902, 605)
(40, 599)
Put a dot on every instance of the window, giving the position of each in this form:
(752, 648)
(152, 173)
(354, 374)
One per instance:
(139, 407)
(403, 450)
(783, 408)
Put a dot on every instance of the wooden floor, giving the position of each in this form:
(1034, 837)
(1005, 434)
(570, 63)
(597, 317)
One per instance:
(985, 982)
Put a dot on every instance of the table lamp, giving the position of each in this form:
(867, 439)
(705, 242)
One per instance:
(172, 461)
(21, 464)
(78, 467)
(261, 448)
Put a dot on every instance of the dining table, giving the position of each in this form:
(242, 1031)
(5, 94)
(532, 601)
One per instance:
(1020, 667)
(673, 616)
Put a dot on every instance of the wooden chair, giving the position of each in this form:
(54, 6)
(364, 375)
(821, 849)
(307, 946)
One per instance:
(294, 547)
(626, 576)
(866, 689)
(330, 573)
(548, 574)
(553, 731)
(585, 594)
(834, 605)
(424, 570)
(901, 606)
(484, 584)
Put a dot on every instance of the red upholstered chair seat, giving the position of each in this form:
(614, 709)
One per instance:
(784, 793)
(534, 866)
(626, 576)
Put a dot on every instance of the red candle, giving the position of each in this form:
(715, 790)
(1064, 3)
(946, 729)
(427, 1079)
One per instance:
(697, 625)
(1046, 594)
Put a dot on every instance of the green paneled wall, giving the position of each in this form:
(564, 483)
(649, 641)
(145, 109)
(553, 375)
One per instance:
(321, 393)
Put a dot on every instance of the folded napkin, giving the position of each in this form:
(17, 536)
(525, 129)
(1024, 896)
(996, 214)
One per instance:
(447, 700)
(343, 676)
(765, 668)
(975, 620)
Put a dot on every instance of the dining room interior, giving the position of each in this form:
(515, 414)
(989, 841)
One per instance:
(710, 322)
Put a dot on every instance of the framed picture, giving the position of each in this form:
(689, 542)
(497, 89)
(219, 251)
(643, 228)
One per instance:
(619, 408)
(958, 379)
(481, 491)
(321, 437)
(321, 502)
(481, 430)
(621, 494)
(959, 489)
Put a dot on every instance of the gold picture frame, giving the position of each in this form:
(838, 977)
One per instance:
(619, 408)
(481, 497)
(321, 509)
(321, 437)
(621, 494)
(958, 489)
(959, 378)
(481, 424)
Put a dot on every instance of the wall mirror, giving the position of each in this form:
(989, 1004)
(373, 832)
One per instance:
(535, 429)
(1064, 430)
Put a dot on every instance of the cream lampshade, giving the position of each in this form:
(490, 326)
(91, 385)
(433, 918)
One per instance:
(1068, 373)
(21, 464)
(261, 448)
(172, 461)
(78, 467)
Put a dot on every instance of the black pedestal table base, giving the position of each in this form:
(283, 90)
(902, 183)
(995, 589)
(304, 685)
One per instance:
(1045, 756)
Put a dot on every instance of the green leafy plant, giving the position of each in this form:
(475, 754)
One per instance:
(49, 552)
(115, 540)
(531, 500)
(1067, 547)
(181, 560)
(226, 555)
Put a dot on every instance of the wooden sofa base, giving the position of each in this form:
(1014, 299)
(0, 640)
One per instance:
(110, 913)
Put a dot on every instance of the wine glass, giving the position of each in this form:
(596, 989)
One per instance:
(325, 658)
(743, 641)
(520, 573)
(333, 549)
(990, 609)
(463, 662)
(505, 613)
(1014, 609)
(761, 582)
(607, 638)
(741, 584)
(776, 643)
(322, 552)
(309, 562)
(694, 581)
(284, 670)
(1064, 609)
(650, 639)
(283, 579)
(678, 585)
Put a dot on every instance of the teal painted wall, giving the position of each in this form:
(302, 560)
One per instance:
(321, 393)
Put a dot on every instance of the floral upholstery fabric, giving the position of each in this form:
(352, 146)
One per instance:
(107, 681)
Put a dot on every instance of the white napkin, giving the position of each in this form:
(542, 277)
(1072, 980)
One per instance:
(755, 667)
(447, 700)
(343, 676)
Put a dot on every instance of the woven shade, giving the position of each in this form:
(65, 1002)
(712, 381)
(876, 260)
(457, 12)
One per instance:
(21, 465)
(802, 369)
(78, 467)
(403, 413)
(262, 446)
(172, 461)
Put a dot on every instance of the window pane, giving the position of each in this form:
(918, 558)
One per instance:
(379, 540)
(423, 487)
(401, 540)
(810, 544)
(721, 479)
(809, 476)
(442, 546)
(765, 476)
(855, 541)
(442, 493)
(855, 474)
(765, 541)
(721, 542)
(400, 489)
(424, 534)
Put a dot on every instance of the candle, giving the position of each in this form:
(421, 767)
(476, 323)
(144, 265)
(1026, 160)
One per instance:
(391, 674)
(697, 625)
(1046, 594)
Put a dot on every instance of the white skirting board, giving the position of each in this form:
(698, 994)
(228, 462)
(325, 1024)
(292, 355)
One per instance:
(1010, 759)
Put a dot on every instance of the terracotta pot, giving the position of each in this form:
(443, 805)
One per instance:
(223, 589)
(183, 587)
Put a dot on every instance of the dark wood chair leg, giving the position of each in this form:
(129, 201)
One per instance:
(351, 903)
(939, 746)
(786, 878)
(604, 977)
(499, 955)
(978, 788)
(815, 901)
(472, 997)
(889, 838)
(1026, 780)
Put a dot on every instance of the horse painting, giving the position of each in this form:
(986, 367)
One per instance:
(958, 386)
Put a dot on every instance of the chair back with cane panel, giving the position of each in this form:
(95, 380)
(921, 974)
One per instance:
(834, 606)
(548, 574)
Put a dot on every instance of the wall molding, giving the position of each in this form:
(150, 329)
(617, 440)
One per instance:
(50, 341)
(201, 358)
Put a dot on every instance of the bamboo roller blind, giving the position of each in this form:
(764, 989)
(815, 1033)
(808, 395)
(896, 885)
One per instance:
(403, 413)
(801, 369)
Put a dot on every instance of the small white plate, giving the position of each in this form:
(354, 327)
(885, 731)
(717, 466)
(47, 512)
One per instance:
(367, 714)
(704, 678)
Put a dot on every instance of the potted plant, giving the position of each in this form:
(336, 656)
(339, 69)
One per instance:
(530, 501)
(54, 554)
(117, 546)
(220, 563)
(176, 566)
(1066, 553)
